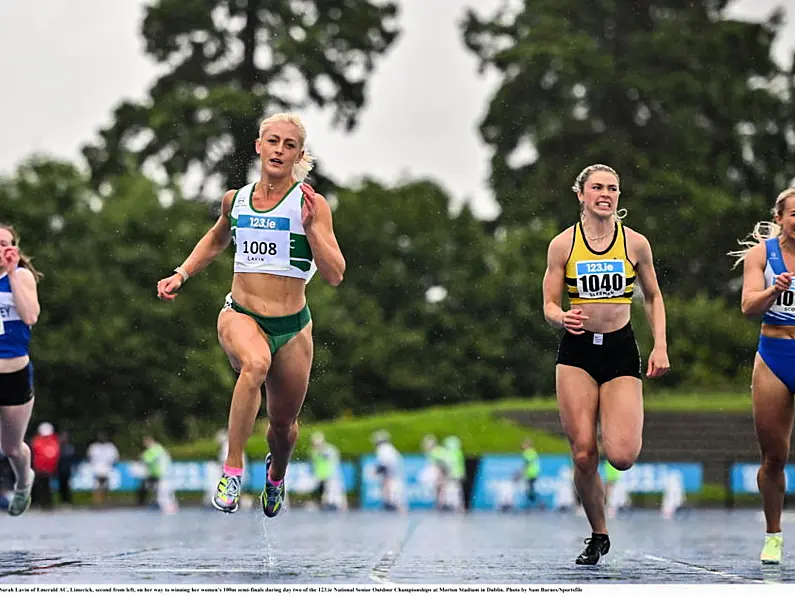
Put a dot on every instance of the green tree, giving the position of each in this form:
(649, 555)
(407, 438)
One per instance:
(396, 333)
(686, 104)
(711, 344)
(230, 62)
(516, 342)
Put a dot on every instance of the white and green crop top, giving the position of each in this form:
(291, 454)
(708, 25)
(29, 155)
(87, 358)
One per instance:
(271, 241)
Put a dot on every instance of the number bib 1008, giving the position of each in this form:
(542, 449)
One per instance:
(263, 240)
(600, 279)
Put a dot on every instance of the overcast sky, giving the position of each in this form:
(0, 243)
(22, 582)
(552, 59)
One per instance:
(66, 64)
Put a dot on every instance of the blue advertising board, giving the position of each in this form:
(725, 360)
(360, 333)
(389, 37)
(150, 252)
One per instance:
(497, 480)
(300, 479)
(418, 485)
(652, 477)
(743, 478)
(198, 475)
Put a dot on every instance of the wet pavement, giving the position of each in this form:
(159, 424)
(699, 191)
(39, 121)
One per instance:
(204, 546)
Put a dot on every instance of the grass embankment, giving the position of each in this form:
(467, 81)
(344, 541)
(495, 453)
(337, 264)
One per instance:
(480, 431)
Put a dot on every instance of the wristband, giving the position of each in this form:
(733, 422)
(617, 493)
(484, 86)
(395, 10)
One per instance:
(182, 273)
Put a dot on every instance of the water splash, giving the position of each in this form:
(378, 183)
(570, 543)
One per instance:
(269, 562)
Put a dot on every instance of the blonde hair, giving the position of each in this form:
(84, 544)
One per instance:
(304, 165)
(763, 230)
(582, 178)
(24, 260)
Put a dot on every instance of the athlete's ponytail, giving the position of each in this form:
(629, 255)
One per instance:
(763, 230)
(303, 166)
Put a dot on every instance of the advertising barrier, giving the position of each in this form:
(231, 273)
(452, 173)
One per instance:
(498, 481)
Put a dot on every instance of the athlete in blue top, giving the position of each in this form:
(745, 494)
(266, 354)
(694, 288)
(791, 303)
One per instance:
(769, 260)
(282, 230)
(19, 310)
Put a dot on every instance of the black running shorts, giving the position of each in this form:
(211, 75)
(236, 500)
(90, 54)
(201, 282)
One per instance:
(604, 356)
(16, 388)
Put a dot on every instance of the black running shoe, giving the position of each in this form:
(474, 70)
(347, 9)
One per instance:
(597, 545)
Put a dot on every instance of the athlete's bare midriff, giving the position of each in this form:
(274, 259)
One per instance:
(778, 331)
(9, 365)
(269, 295)
(604, 318)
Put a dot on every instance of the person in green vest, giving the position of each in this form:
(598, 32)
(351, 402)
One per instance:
(439, 467)
(325, 461)
(157, 462)
(531, 470)
(456, 463)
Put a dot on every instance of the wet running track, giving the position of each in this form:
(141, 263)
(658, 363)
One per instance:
(204, 546)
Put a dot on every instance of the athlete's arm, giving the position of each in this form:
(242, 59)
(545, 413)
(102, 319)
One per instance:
(23, 286)
(554, 282)
(317, 222)
(756, 299)
(653, 305)
(213, 243)
(25, 294)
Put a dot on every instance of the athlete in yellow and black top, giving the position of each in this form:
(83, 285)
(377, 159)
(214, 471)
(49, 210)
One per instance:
(598, 372)
(593, 277)
(599, 276)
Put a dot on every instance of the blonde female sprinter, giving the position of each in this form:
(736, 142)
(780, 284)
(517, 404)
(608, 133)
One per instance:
(282, 231)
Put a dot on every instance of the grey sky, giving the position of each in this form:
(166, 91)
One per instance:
(67, 63)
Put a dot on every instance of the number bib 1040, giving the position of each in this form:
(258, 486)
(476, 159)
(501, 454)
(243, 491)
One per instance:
(263, 240)
(600, 279)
